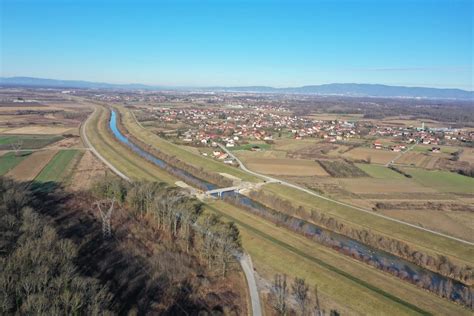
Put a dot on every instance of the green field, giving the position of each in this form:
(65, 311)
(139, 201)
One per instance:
(28, 141)
(9, 160)
(443, 181)
(430, 243)
(379, 172)
(427, 149)
(263, 146)
(352, 284)
(55, 170)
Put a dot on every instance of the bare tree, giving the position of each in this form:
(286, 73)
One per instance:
(280, 294)
(106, 208)
(16, 146)
(300, 291)
(317, 306)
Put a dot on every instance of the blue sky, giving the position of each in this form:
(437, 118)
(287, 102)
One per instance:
(277, 43)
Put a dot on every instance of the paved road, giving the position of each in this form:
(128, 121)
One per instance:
(271, 179)
(244, 259)
(247, 266)
(89, 145)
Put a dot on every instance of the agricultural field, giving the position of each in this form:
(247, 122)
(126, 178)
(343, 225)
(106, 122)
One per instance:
(379, 172)
(27, 141)
(42, 130)
(29, 168)
(376, 156)
(341, 169)
(285, 166)
(262, 146)
(9, 160)
(443, 181)
(87, 171)
(59, 167)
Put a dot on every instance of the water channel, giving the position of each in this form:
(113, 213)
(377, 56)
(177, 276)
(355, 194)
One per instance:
(410, 271)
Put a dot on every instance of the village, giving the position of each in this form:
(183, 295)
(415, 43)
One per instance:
(235, 126)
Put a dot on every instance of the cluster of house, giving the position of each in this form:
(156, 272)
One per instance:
(231, 125)
(426, 136)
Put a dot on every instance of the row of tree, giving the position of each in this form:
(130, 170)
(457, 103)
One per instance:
(177, 166)
(180, 217)
(425, 279)
(440, 264)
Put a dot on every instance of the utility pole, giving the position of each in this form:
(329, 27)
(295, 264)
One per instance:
(106, 215)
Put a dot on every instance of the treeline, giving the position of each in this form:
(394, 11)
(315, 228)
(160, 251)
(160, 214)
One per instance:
(37, 271)
(439, 264)
(173, 161)
(180, 218)
(297, 219)
(306, 301)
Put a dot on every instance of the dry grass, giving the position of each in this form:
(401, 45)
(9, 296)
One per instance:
(383, 186)
(32, 130)
(88, 170)
(458, 224)
(29, 168)
(376, 155)
(277, 250)
(285, 166)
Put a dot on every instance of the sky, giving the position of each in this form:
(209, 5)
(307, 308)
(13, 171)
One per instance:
(240, 43)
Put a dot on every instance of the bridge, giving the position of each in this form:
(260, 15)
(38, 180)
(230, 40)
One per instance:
(222, 190)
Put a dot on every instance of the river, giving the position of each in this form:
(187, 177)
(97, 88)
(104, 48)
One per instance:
(384, 260)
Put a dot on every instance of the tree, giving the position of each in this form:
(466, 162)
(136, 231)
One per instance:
(16, 146)
(317, 306)
(280, 294)
(300, 291)
(228, 244)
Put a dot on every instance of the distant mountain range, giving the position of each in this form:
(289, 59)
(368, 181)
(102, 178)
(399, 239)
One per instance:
(341, 89)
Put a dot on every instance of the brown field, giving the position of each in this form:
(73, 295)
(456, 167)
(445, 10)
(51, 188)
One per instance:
(420, 160)
(48, 130)
(29, 168)
(468, 155)
(285, 166)
(458, 224)
(383, 186)
(86, 172)
(377, 156)
(70, 142)
(292, 144)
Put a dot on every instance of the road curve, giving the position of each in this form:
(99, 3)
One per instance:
(271, 179)
(244, 259)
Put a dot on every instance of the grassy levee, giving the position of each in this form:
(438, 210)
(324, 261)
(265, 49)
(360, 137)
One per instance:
(362, 288)
(431, 243)
(206, 163)
(358, 288)
(120, 156)
(56, 168)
